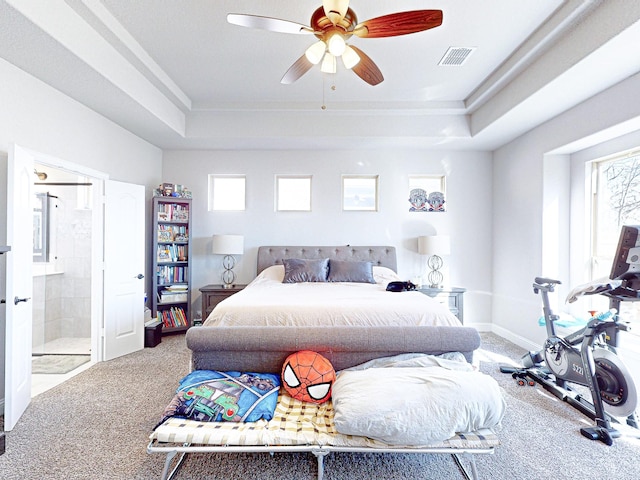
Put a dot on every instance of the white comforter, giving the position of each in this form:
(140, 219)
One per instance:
(268, 302)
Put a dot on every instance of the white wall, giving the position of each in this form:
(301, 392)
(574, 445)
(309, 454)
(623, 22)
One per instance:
(40, 118)
(467, 220)
(523, 186)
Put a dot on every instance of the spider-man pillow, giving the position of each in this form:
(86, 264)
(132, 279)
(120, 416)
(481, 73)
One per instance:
(212, 396)
(308, 376)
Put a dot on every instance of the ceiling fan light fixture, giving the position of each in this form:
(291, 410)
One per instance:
(328, 64)
(315, 52)
(335, 10)
(336, 45)
(350, 58)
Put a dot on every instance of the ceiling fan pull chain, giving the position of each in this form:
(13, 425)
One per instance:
(324, 106)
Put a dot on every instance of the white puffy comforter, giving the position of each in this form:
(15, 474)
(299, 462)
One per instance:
(415, 399)
(268, 302)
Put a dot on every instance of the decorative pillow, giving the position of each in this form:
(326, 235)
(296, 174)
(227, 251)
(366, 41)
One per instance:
(415, 405)
(212, 396)
(308, 376)
(298, 270)
(344, 271)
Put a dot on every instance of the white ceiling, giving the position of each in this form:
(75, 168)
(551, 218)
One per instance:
(177, 74)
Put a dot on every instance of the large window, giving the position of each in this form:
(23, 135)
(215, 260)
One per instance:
(615, 202)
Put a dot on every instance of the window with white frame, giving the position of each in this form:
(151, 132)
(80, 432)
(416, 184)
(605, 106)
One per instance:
(615, 202)
(227, 192)
(360, 192)
(293, 193)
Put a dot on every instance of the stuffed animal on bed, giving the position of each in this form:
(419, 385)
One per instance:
(308, 376)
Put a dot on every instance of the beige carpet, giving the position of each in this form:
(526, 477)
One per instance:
(96, 426)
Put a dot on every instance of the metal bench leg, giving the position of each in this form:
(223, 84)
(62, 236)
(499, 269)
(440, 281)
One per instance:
(167, 464)
(472, 462)
(320, 454)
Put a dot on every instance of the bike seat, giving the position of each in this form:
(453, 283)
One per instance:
(546, 281)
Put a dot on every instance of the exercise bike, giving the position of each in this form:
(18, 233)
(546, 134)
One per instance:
(586, 358)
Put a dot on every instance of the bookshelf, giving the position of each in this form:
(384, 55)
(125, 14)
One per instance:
(171, 295)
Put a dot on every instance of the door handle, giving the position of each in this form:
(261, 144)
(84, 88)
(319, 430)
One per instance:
(18, 300)
(2, 300)
(140, 276)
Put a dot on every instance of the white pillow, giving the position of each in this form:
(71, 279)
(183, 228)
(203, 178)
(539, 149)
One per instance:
(416, 405)
(384, 275)
(274, 272)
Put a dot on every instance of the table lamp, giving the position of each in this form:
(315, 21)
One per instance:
(228, 245)
(434, 245)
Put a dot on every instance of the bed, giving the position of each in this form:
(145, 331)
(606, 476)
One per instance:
(337, 286)
(312, 428)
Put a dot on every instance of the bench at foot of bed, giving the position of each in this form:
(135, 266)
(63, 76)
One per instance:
(466, 445)
(179, 436)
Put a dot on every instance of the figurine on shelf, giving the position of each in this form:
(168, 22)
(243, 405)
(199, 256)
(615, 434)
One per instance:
(171, 190)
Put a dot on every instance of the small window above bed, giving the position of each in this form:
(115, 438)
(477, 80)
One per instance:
(360, 193)
(227, 192)
(293, 193)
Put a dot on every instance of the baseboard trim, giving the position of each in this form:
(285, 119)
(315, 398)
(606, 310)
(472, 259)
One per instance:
(514, 338)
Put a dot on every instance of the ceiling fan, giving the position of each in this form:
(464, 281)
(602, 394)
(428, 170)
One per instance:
(334, 23)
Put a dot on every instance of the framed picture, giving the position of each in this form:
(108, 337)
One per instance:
(360, 193)
(427, 193)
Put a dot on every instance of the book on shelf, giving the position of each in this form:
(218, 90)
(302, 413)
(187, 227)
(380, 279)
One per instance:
(164, 253)
(165, 233)
(173, 317)
(172, 253)
(172, 233)
(180, 234)
(169, 274)
(173, 212)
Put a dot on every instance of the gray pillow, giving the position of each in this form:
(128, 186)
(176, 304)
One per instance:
(297, 270)
(342, 271)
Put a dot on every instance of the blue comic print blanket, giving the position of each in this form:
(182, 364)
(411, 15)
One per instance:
(212, 396)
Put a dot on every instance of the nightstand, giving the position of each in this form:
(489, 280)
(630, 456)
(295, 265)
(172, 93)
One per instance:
(452, 297)
(213, 295)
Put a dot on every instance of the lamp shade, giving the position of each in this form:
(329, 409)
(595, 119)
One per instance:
(228, 245)
(434, 245)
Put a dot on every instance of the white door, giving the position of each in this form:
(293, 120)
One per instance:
(124, 247)
(19, 284)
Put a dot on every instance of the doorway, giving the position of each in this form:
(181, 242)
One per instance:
(62, 254)
(117, 315)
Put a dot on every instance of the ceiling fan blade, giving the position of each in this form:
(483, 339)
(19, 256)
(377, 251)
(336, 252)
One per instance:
(335, 10)
(401, 23)
(298, 69)
(267, 23)
(366, 69)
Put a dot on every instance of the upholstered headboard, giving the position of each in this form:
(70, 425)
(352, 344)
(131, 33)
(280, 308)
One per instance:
(381, 256)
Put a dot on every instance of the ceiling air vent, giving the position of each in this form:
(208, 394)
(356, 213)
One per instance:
(456, 56)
